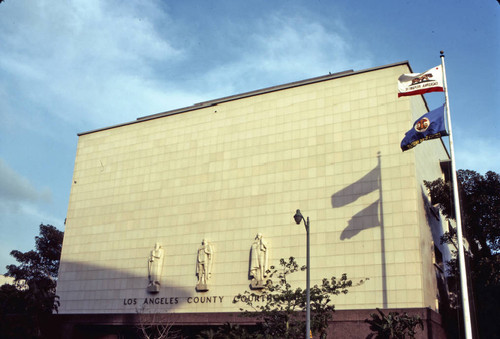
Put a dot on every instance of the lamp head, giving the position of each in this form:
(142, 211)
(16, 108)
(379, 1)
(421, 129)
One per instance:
(298, 217)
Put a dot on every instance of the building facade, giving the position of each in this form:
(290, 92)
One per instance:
(176, 213)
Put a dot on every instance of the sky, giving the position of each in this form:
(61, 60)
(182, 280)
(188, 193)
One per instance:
(73, 66)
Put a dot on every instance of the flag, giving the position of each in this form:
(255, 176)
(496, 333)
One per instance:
(414, 83)
(428, 126)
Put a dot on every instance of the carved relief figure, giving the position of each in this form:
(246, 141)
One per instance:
(259, 262)
(204, 265)
(155, 263)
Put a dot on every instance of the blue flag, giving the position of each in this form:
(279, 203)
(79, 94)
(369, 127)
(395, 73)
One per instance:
(428, 126)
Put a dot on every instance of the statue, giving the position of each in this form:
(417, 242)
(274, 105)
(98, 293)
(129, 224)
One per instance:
(204, 265)
(258, 262)
(155, 263)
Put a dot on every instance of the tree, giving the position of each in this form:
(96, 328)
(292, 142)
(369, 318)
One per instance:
(480, 204)
(227, 331)
(153, 325)
(394, 325)
(280, 308)
(37, 270)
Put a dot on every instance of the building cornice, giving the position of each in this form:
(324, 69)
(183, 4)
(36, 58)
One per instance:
(266, 90)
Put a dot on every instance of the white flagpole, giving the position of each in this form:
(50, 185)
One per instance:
(460, 245)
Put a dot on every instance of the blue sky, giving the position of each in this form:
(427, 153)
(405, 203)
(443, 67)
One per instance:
(77, 65)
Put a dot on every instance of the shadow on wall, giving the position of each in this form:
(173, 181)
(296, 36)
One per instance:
(432, 216)
(367, 217)
(370, 217)
(98, 302)
(87, 288)
(440, 255)
(363, 220)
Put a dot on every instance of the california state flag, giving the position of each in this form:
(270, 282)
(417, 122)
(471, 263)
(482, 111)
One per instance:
(420, 83)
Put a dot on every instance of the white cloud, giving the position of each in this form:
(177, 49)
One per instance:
(85, 61)
(282, 49)
(16, 191)
(99, 63)
(296, 44)
(40, 216)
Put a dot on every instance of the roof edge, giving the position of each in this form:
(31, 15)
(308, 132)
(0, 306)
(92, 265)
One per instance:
(276, 88)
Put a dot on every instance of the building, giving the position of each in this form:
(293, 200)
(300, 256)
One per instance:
(20, 285)
(227, 172)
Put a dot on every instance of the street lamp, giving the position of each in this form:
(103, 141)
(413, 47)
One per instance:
(298, 218)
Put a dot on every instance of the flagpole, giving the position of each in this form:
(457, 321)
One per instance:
(460, 245)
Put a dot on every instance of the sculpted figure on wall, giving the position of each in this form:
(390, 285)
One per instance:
(259, 262)
(204, 265)
(155, 263)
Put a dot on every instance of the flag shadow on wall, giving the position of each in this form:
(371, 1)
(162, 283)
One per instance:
(369, 216)
(363, 220)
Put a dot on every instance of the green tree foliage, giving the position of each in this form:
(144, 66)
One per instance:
(480, 204)
(33, 295)
(42, 263)
(228, 331)
(394, 325)
(279, 307)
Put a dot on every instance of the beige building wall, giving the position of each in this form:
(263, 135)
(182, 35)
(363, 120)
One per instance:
(235, 167)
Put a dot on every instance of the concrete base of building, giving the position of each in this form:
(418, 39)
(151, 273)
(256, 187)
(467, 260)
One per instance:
(345, 324)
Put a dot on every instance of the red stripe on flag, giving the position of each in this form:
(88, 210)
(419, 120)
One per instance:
(421, 91)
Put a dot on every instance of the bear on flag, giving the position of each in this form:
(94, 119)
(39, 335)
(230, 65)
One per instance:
(420, 83)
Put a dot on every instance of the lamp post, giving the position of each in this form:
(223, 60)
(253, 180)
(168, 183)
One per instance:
(298, 218)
